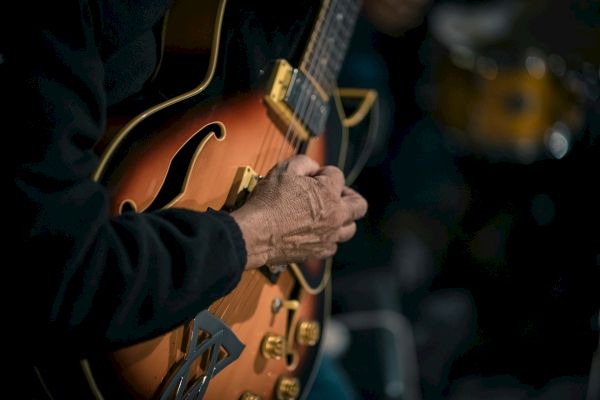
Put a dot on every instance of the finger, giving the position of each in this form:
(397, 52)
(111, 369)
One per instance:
(303, 165)
(328, 250)
(355, 202)
(346, 232)
(334, 177)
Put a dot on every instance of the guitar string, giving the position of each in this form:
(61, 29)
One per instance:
(343, 34)
(317, 67)
(244, 291)
(348, 12)
(320, 70)
(217, 305)
(263, 149)
(255, 289)
(261, 162)
(322, 49)
(224, 304)
(221, 310)
(306, 108)
(329, 69)
(253, 282)
(304, 94)
(303, 110)
(257, 283)
(267, 139)
(289, 136)
(271, 134)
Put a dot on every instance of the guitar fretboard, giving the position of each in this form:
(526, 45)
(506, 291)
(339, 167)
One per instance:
(329, 42)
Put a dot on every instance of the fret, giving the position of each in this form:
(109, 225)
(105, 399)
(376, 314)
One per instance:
(312, 84)
(327, 47)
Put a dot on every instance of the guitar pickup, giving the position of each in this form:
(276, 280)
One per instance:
(295, 102)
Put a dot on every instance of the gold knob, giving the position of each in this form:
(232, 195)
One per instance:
(308, 333)
(250, 396)
(288, 388)
(273, 346)
(278, 304)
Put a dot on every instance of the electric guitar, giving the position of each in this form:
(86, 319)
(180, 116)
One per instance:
(203, 144)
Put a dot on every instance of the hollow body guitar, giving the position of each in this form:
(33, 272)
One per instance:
(196, 150)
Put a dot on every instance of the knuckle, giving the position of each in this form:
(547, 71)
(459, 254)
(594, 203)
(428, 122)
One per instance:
(335, 173)
(338, 216)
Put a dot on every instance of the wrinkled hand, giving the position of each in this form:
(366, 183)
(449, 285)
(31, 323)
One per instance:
(299, 210)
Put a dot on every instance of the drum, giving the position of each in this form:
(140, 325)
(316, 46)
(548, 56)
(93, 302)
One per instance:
(496, 93)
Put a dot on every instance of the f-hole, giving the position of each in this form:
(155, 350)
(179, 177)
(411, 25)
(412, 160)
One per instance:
(174, 182)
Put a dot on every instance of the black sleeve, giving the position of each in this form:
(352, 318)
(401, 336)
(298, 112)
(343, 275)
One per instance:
(93, 280)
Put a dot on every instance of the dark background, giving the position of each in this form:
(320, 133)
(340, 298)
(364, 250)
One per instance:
(488, 262)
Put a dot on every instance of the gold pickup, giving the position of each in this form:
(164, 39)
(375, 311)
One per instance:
(294, 103)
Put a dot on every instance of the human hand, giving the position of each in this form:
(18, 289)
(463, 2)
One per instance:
(299, 210)
(394, 17)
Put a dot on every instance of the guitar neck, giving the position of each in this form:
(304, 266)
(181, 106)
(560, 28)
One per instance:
(329, 42)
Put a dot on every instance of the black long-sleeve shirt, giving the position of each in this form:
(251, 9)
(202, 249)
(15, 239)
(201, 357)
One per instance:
(94, 280)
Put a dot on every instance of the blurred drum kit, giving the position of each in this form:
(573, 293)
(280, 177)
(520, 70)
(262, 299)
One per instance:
(513, 81)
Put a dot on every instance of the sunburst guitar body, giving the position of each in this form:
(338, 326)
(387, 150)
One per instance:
(198, 150)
